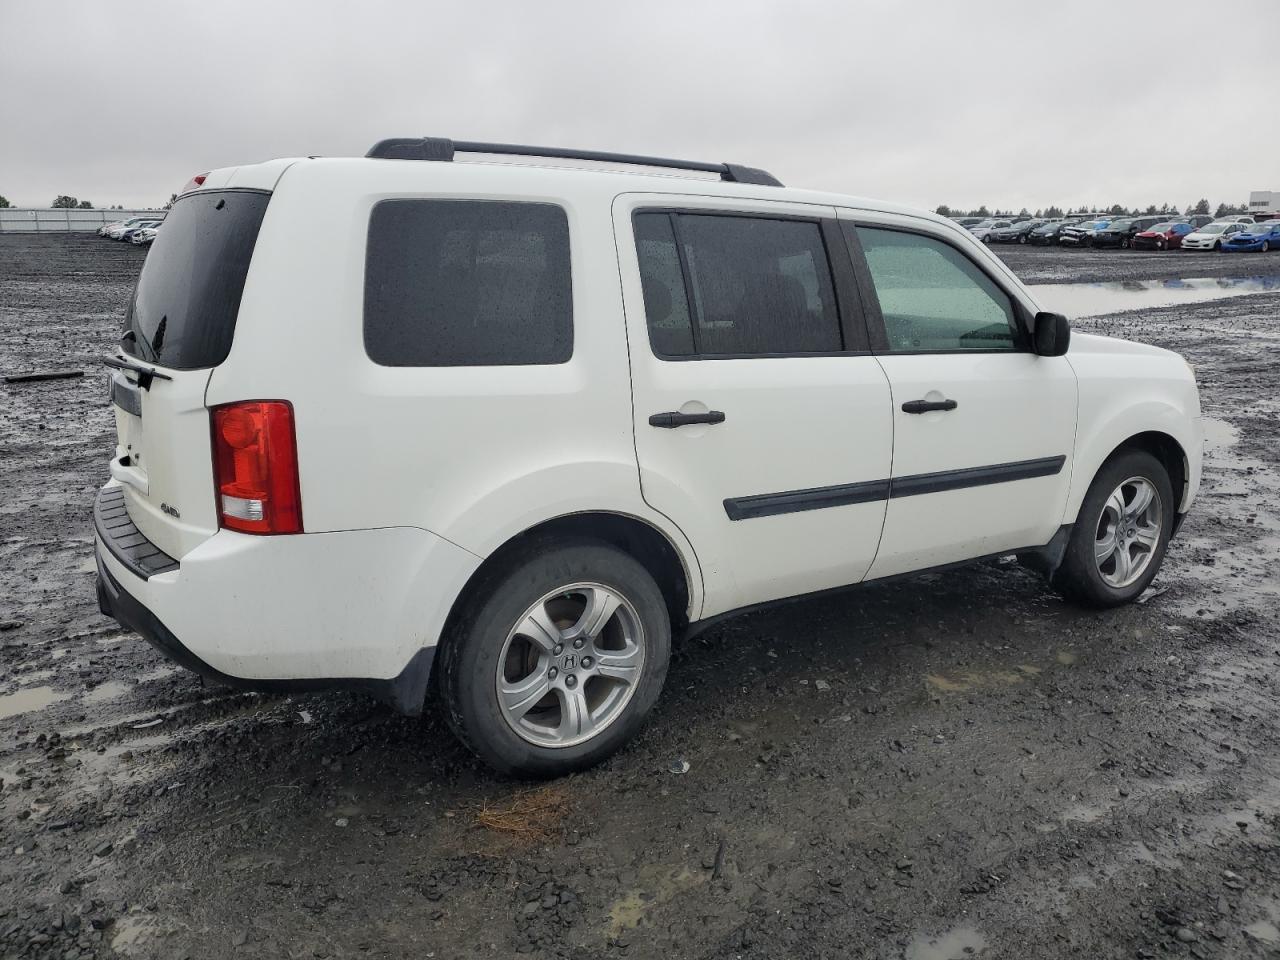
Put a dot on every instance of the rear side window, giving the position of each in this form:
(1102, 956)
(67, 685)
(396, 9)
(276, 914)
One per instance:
(453, 283)
(749, 286)
(183, 312)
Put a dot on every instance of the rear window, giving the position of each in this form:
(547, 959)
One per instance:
(453, 283)
(183, 312)
(754, 285)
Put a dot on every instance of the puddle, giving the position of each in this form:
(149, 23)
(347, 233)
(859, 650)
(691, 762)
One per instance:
(1219, 434)
(959, 944)
(1263, 931)
(26, 700)
(106, 691)
(1092, 299)
(627, 912)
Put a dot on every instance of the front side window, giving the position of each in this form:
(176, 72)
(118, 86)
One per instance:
(934, 298)
(736, 285)
(453, 283)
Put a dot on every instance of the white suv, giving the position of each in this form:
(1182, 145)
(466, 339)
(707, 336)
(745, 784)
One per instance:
(513, 426)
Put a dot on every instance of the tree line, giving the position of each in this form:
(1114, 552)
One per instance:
(1201, 206)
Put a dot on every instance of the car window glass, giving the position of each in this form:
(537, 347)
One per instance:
(666, 306)
(933, 297)
(754, 285)
(467, 283)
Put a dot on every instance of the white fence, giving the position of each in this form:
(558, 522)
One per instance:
(48, 220)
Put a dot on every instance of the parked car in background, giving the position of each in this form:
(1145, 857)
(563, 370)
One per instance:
(129, 232)
(1259, 237)
(1236, 218)
(1196, 219)
(983, 230)
(1081, 235)
(1212, 235)
(1016, 232)
(1162, 236)
(107, 228)
(968, 222)
(1049, 232)
(144, 235)
(1120, 233)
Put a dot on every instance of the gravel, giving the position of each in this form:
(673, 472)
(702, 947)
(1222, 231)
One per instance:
(990, 771)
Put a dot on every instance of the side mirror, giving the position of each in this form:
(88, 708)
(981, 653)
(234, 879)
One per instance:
(1050, 334)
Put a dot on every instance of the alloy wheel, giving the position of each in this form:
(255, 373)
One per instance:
(570, 665)
(1128, 532)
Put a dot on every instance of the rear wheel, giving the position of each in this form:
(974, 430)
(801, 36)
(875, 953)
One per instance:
(1120, 535)
(1266, 245)
(559, 660)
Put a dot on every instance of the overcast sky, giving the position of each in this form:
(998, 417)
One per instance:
(1002, 102)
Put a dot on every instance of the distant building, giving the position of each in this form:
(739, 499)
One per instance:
(1264, 201)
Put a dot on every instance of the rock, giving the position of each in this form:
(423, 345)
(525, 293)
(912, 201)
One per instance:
(1186, 935)
(678, 766)
(104, 850)
(341, 822)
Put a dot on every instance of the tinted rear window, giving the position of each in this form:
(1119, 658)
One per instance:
(183, 313)
(467, 283)
(755, 286)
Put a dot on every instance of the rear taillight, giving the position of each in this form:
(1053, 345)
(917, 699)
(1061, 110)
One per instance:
(255, 467)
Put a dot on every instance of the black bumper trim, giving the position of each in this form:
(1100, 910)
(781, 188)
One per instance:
(125, 541)
(405, 692)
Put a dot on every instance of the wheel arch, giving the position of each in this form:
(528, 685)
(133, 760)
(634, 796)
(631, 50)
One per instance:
(1166, 448)
(677, 577)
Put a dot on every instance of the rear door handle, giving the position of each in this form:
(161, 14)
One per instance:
(673, 418)
(924, 406)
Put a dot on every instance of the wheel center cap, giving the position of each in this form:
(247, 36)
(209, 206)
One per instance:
(569, 662)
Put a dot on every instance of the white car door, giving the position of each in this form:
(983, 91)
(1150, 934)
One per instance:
(762, 421)
(983, 427)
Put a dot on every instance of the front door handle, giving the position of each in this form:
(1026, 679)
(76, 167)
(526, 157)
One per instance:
(673, 418)
(924, 406)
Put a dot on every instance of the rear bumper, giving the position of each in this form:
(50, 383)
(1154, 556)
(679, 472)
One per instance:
(405, 692)
(359, 610)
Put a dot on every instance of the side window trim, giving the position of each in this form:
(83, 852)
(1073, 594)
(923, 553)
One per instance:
(871, 299)
(851, 301)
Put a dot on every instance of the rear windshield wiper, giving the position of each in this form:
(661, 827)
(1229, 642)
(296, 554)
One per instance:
(145, 373)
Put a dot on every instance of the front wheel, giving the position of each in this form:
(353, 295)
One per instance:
(1266, 246)
(558, 659)
(1023, 238)
(1121, 533)
(1124, 244)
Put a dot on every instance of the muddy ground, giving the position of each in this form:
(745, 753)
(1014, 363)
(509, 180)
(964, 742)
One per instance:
(957, 765)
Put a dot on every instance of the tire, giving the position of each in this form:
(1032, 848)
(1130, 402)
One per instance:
(1159, 244)
(987, 240)
(1217, 246)
(1266, 246)
(1022, 239)
(1105, 581)
(556, 583)
(1124, 243)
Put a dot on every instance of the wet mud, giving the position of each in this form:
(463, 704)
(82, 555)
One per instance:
(957, 765)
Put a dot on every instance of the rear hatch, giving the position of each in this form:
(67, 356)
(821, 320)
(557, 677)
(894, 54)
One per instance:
(180, 324)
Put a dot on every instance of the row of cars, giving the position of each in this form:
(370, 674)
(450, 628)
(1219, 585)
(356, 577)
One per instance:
(136, 230)
(1192, 232)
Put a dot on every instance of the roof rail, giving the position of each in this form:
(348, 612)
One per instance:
(442, 149)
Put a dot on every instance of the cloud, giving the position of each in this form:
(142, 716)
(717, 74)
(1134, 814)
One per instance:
(986, 101)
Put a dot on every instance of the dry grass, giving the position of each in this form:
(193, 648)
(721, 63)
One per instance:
(529, 816)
